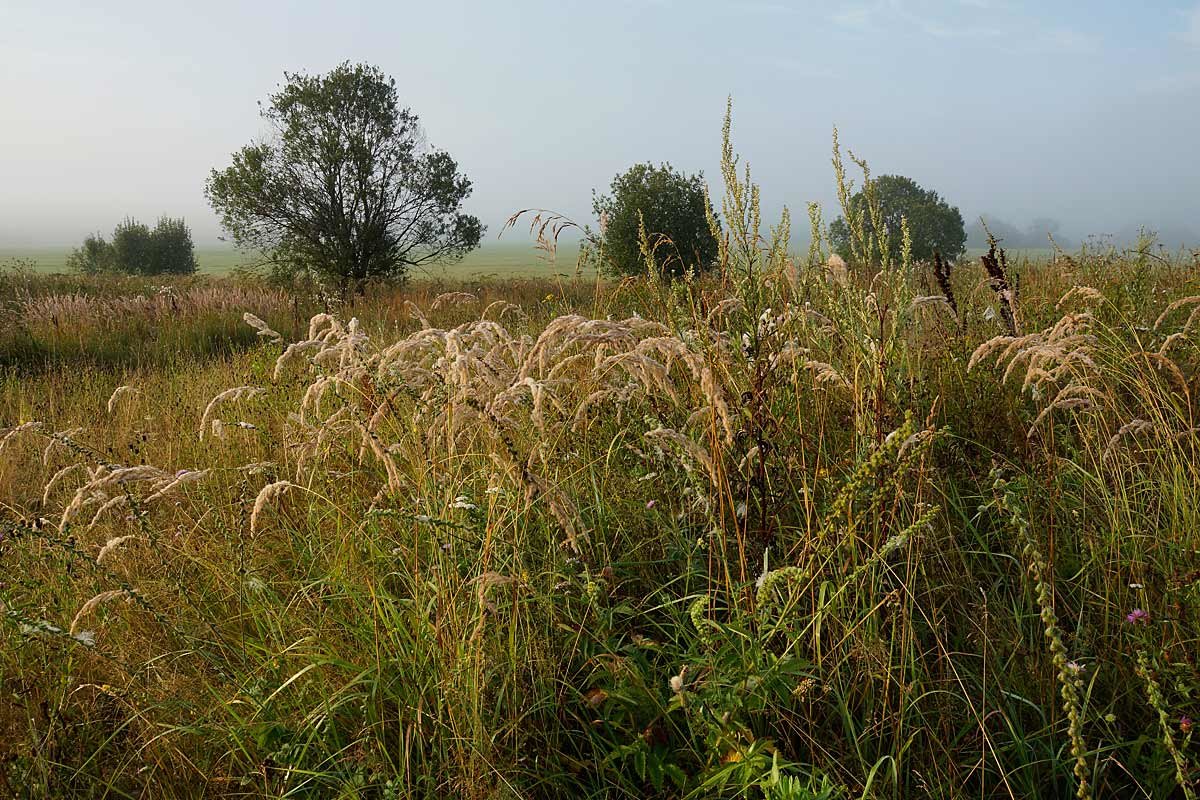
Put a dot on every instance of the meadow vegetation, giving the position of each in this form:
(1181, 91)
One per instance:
(909, 530)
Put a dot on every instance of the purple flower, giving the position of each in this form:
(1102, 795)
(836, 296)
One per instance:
(651, 503)
(1137, 615)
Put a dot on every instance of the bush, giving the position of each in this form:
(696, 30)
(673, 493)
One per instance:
(133, 247)
(93, 257)
(137, 250)
(674, 210)
(171, 247)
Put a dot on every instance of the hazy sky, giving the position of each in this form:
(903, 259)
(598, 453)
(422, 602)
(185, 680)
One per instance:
(1088, 112)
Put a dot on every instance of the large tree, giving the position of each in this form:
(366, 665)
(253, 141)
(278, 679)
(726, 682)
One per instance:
(344, 184)
(933, 223)
(674, 209)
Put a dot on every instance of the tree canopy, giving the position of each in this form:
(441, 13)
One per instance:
(674, 209)
(345, 184)
(933, 224)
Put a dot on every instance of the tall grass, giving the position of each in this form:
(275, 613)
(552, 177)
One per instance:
(761, 534)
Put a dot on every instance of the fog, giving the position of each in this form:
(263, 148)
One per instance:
(1087, 114)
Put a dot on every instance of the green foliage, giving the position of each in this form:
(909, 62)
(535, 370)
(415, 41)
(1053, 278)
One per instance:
(672, 207)
(133, 247)
(933, 224)
(137, 250)
(344, 185)
(171, 248)
(93, 257)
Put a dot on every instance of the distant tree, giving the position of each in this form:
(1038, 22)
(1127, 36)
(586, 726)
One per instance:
(344, 185)
(133, 248)
(93, 257)
(674, 209)
(1036, 236)
(933, 223)
(172, 250)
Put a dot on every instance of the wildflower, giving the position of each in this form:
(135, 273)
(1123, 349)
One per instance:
(676, 681)
(1185, 724)
(1136, 616)
(1136, 586)
(1075, 667)
(650, 504)
(462, 502)
(85, 638)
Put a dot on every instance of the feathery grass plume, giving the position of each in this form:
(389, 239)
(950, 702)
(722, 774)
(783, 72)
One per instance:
(415, 312)
(503, 306)
(448, 299)
(1173, 306)
(1170, 340)
(91, 604)
(11, 435)
(181, 478)
(931, 299)
(1087, 294)
(1145, 670)
(112, 544)
(265, 495)
(486, 581)
(694, 450)
(1131, 428)
(293, 353)
(57, 477)
(117, 394)
(228, 396)
(825, 373)
(108, 505)
(262, 327)
(371, 441)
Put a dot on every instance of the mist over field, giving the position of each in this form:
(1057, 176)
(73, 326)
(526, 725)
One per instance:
(1086, 114)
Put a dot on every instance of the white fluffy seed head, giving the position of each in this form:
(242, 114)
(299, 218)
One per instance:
(87, 607)
(266, 495)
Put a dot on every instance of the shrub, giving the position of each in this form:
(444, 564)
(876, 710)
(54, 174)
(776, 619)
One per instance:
(672, 208)
(137, 250)
(93, 257)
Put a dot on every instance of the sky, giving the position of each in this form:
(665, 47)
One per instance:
(1086, 112)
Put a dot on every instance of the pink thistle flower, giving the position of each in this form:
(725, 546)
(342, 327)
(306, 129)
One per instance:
(1136, 616)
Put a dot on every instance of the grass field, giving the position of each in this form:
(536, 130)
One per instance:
(778, 532)
(499, 259)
